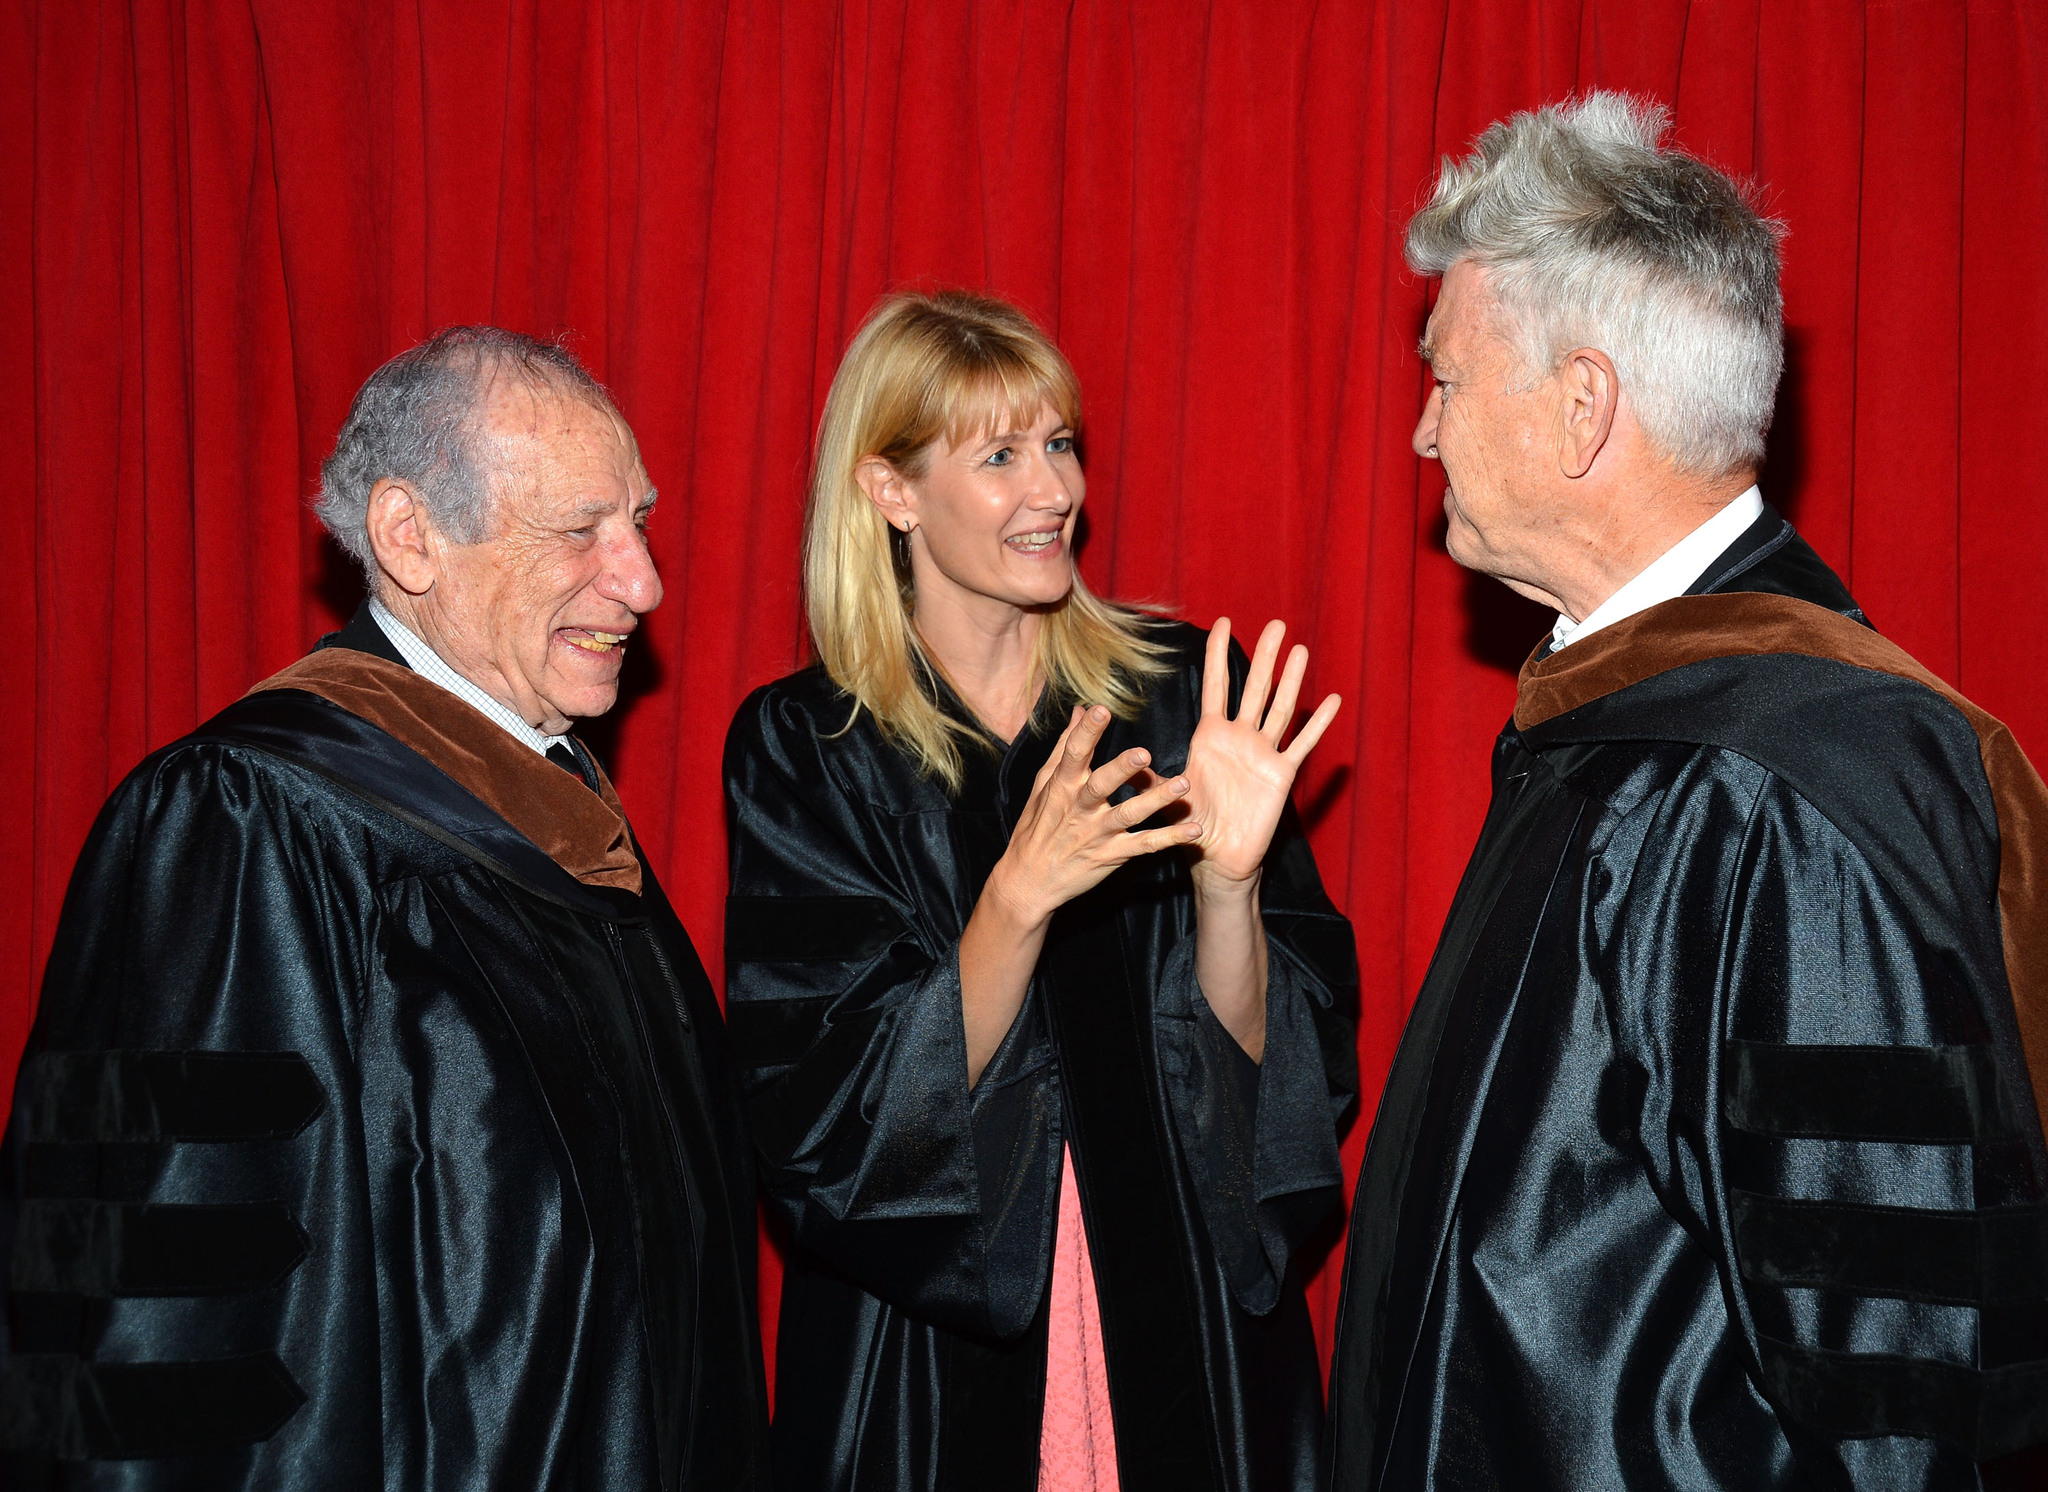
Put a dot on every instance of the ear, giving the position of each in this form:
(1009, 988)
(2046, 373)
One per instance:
(894, 498)
(401, 539)
(1589, 392)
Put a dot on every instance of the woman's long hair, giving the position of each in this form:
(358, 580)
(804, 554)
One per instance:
(923, 368)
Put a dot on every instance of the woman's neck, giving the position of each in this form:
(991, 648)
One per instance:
(988, 651)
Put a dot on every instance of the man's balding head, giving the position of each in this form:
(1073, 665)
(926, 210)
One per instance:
(496, 501)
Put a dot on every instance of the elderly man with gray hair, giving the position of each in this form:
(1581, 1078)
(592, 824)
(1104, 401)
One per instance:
(1711, 1154)
(376, 1128)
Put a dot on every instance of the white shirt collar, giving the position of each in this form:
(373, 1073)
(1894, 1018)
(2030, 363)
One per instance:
(1671, 574)
(429, 664)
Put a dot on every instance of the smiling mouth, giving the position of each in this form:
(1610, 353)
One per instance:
(1033, 543)
(593, 642)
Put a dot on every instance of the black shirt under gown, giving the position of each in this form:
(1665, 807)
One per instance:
(920, 1213)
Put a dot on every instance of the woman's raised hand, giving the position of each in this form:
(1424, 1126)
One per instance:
(1238, 775)
(1069, 836)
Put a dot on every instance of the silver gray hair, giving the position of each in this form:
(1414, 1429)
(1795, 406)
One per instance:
(1593, 234)
(419, 420)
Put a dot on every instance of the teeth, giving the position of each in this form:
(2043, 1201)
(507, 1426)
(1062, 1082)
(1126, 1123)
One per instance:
(597, 642)
(1033, 541)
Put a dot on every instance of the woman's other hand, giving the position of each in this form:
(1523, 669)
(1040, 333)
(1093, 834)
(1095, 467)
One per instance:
(1069, 836)
(1238, 781)
(1238, 774)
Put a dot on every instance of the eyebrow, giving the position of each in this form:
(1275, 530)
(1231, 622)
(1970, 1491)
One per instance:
(1011, 437)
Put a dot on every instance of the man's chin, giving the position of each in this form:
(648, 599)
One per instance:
(582, 701)
(1461, 541)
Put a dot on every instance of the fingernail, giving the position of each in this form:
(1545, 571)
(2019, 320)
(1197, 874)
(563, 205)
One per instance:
(1180, 784)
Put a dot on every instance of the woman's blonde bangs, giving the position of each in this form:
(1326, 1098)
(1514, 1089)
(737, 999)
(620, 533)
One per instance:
(962, 393)
(926, 368)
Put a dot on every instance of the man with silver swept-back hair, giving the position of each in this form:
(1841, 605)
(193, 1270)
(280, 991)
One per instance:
(1711, 1156)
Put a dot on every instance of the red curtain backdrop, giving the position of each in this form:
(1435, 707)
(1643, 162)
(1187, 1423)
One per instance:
(217, 216)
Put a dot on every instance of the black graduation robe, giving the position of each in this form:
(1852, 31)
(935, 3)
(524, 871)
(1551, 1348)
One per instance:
(1710, 1156)
(920, 1213)
(360, 1144)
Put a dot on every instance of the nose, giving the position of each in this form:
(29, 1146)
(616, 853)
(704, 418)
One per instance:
(1053, 489)
(629, 576)
(1424, 440)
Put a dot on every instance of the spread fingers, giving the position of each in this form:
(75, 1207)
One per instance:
(1216, 668)
(1275, 725)
(1081, 739)
(1141, 806)
(1260, 678)
(1313, 731)
(1152, 841)
(1103, 782)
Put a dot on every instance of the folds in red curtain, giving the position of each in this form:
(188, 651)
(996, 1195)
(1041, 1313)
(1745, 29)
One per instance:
(217, 218)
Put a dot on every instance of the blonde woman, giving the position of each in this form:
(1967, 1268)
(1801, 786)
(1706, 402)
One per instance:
(1044, 1017)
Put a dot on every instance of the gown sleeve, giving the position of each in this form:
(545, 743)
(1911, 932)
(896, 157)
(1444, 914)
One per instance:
(1863, 1159)
(180, 1199)
(843, 1004)
(1261, 1138)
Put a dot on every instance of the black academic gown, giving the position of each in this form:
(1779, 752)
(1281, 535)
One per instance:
(357, 1144)
(920, 1213)
(1708, 1157)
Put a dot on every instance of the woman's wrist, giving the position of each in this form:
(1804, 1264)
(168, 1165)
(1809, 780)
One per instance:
(1009, 899)
(1213, 888)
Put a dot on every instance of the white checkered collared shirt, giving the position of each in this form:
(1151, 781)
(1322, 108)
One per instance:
(428, 664)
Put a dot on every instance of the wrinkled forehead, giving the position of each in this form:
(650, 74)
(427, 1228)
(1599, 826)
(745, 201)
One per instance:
(529, 419)
(546, 452)
(1467, 313)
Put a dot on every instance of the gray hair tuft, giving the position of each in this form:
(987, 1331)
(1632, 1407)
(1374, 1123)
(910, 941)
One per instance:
(1593, 234)
(418, 420)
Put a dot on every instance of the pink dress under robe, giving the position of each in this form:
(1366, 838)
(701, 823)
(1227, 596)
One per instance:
(1077, 1444)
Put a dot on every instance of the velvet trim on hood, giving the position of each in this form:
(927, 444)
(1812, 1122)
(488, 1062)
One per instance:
(1692, 629)
(583, 832)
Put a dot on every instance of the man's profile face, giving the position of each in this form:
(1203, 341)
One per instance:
(539, 613)
(1494, 435)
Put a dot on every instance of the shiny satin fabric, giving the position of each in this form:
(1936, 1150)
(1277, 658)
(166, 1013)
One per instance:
(920, 1213)
(1709, 1158)
(307, 988)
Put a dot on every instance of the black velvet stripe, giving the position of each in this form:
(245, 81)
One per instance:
(86, 1411)
(113, 1173)
(806, 929)
(1952, 1258)
(1854, 1395)
(1937, 1095)
(54, 1322)
(155, 1096)
(773, 1033)
(101, 1249)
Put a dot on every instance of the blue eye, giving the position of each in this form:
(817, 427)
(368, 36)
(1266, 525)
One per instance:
(1060, 445)
(1002, 458)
